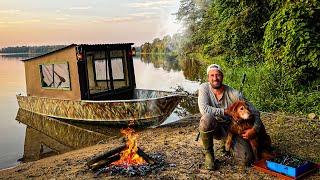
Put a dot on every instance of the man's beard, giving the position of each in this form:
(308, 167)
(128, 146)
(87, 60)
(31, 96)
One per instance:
(216, 86)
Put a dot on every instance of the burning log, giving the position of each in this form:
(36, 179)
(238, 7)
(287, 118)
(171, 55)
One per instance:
(105, 155)
(136, 169)
(147, 158)
(129, 156)
(104, 162)
(128, 160)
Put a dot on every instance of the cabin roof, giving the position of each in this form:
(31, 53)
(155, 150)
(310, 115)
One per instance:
(82, 45)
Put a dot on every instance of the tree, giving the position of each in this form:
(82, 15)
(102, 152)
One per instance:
(191, 13)
(234, 29)
(292, 43)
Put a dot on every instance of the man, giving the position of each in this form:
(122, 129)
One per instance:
(214, 98)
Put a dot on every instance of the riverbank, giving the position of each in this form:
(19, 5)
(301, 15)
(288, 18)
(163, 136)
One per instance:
(177, 142)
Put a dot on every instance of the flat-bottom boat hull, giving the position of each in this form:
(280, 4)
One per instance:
(152, 110)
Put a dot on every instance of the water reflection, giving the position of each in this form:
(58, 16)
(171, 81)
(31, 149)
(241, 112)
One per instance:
(168, 63)
(47, 136)
(192, 73)
(193, 69)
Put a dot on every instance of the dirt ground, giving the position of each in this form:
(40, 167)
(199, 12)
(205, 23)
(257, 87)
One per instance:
(292, 135)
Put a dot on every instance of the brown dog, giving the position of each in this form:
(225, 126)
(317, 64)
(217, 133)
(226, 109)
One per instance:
(243, 119)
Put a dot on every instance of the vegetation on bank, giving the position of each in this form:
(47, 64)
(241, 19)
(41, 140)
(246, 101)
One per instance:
(167, 45)
(31, 49)
(275, 42)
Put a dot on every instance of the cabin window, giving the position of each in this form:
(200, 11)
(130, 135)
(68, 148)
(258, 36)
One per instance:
(104, 66)
(55, 75)
(100, 70)
(117, 69)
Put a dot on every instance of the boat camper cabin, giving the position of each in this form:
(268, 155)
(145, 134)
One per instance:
(82, 72)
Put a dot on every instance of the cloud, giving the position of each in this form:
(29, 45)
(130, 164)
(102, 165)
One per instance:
(21, 21)
(153, 4)
(138, 17)
(10, 11)
(81, 8)
(61, 18)
(143, 14)
(114, 19)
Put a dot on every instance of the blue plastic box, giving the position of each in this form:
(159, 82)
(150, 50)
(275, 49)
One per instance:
(287, 170)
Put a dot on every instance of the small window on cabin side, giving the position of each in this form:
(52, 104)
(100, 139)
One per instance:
(55, 75)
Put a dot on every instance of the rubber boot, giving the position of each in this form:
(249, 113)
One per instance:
(207, 144)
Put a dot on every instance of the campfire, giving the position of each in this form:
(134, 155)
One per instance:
(127, 159)
(129, 156)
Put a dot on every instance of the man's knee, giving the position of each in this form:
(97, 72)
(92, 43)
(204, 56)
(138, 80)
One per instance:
(207, 123)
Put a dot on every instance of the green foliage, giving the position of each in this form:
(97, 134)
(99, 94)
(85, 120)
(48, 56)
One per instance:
(192, 13)
(292, 44)
(234, 29)
(168, 45)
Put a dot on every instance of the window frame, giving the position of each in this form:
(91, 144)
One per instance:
(53, 63)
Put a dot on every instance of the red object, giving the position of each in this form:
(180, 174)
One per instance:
(79, 56)
(261, 166)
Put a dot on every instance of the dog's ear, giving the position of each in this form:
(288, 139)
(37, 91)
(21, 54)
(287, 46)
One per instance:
(233, 107)
(232, 110)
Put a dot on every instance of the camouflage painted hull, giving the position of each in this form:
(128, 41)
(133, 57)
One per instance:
(147, 108)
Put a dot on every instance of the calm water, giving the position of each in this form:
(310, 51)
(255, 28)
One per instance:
(27, 139)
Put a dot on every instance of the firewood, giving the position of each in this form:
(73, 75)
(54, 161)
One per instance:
(147, 158)
(106, 154)
(104, 162)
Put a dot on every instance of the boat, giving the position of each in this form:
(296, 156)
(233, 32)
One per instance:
(93, 84)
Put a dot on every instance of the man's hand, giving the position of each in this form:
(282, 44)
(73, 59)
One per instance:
(226, 112)
(249, 133)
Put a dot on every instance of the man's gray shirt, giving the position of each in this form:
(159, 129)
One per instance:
(208, 103)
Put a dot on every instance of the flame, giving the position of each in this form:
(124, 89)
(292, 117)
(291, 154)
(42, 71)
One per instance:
(129, 156)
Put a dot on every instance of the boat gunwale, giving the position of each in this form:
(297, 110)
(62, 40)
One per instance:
(103, 121)
(174, 94)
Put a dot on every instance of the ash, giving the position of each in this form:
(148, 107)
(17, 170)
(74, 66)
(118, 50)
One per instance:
(136, 170)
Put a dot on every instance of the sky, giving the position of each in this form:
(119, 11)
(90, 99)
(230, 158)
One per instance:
(50, 22)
